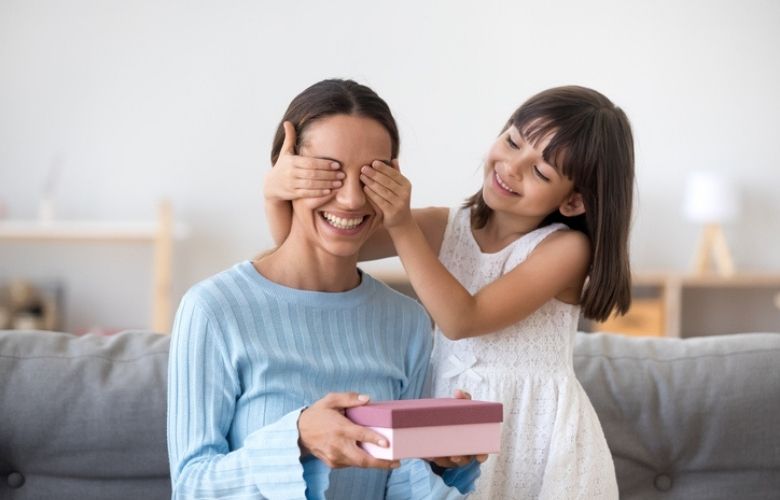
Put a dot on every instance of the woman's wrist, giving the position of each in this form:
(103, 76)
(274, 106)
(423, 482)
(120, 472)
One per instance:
(304, 449)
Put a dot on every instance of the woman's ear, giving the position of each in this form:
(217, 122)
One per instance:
(573, 205)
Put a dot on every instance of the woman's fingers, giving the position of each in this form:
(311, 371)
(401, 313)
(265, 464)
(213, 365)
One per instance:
(366, 435)
(342, 436)
(461, 394)
(361, 458)
(357, 457)
(445, 462)
(342, 400)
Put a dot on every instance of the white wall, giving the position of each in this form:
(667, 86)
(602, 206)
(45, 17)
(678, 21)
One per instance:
(148, 99)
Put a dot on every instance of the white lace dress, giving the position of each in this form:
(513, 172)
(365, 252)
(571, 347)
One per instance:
(552, 445)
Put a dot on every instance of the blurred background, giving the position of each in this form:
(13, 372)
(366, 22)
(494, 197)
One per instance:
(109, 107)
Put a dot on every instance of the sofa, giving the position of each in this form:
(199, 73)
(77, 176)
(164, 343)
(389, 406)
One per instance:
(84, 417)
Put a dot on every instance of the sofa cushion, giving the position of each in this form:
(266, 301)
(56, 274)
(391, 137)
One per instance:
(83, 417)
(687, 419)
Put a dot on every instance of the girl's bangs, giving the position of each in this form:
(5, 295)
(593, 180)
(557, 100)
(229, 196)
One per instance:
(562, 146)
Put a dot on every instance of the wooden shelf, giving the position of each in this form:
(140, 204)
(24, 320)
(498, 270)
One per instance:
(680, 305)
(752, 279)
(690, 305)
(160, 233)
(25, 231)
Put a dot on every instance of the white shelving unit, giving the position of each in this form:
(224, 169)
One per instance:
(159, 233)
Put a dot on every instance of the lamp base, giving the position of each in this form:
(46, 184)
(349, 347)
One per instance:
(712, 245)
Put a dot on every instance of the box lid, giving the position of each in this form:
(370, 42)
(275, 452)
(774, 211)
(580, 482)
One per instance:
(426, 413)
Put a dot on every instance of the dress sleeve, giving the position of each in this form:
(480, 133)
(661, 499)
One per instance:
(202, 391)
(415, 479)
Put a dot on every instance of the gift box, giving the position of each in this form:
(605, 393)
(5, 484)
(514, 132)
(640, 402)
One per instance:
(426, 428)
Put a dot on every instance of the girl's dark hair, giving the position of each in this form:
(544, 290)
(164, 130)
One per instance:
(335, 97)
(592, 144)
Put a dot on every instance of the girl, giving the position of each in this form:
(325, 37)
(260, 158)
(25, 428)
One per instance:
(544, 238)
(266, 356)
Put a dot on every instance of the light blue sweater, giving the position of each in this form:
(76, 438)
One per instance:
(247, 355)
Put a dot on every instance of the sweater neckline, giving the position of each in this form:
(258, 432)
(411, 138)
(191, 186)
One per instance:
(313, 298)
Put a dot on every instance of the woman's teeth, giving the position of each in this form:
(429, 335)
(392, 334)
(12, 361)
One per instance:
(503, 184)
(341, 222)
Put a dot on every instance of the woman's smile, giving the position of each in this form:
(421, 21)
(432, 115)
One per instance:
(344, 223)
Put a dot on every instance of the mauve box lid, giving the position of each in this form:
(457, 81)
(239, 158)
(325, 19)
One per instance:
(426, 413)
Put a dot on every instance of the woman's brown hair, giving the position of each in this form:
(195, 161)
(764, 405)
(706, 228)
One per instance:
(592, 144)
(335, 97)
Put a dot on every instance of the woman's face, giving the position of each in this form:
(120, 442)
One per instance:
(342, 221)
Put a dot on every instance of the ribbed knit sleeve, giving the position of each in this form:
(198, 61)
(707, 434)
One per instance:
(202, 392)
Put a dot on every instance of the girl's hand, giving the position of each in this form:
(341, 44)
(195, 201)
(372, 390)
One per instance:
(448, 462)
(389, 190)
(294, 176)
(330, 436)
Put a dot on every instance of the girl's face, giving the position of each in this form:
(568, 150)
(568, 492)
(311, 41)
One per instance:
(519, 181)
(342, 221)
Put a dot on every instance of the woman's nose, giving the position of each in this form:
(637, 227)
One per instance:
(350, 195)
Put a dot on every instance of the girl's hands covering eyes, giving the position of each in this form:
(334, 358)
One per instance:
(389, 191)
(294, 176)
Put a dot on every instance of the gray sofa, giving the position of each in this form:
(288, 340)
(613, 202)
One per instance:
(84, 417)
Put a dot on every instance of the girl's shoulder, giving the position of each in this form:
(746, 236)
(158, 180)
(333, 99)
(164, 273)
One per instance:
(570, 239)
(564, 248)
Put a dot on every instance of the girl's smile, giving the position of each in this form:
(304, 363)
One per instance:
(503, 186)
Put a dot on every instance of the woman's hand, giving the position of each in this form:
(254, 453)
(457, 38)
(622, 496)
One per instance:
(458, 461)
(389, 190)
(330, 436)
(294, 176)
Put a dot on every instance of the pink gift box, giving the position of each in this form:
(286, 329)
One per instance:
(423, 428)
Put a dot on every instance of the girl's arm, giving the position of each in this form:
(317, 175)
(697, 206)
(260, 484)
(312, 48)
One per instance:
(556, 268)
(432, 222)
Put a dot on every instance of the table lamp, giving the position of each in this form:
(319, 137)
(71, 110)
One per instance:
(711, 199)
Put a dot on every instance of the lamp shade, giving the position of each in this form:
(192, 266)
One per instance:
(710, 197)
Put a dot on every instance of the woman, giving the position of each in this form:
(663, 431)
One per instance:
(266, 356)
